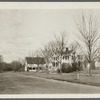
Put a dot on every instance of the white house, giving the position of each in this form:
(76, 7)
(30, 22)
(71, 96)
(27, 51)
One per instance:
(68, 56)
(34, 63)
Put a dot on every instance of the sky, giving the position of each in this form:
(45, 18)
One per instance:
(23, 31)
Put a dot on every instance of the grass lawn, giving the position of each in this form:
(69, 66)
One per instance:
(16, 83)
(96, 71)
(71, 77)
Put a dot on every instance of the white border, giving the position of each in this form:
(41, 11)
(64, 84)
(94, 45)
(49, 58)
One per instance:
(50, 5)
(51, 96)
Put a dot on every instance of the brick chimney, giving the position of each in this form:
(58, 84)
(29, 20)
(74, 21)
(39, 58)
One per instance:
(66, 49)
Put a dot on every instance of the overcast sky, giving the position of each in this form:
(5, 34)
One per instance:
(22, 31)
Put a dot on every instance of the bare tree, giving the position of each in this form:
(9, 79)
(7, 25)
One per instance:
(36, 53)
(55, 47)
(73, 46)
(60, 45)
(48, 52)
(88, 35)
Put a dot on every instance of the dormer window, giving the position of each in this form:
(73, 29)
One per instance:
(80, 57)
(66, 57)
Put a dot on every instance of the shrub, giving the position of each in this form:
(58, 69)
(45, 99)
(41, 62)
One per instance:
(58, 70)
(66, 68)
(75, 66)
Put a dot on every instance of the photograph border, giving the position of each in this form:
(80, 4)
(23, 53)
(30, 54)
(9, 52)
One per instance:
(39, 97)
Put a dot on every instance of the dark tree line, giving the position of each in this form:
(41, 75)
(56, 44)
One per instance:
(13, 66)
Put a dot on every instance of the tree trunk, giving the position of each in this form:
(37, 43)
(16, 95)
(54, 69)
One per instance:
(47, 68)
(60, 70)
(77, 75)
(90, 69)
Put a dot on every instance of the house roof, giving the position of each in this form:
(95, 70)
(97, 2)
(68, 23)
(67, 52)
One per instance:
(35, 60)
(68, 52)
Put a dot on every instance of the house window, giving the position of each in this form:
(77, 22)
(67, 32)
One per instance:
(30, 68)
(80, 57)
(66, 57)
(33, 68)
(56, 64)
(53, 64)
(55, 58)
(40, 68)
(63, 57)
